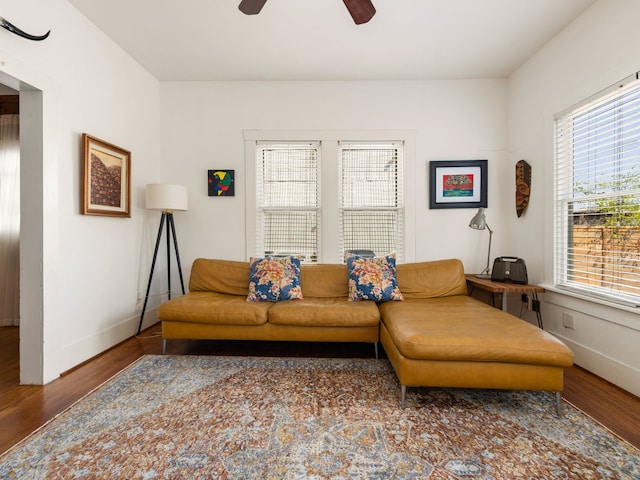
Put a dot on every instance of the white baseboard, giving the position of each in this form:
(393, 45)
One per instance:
(150, 318)
(611, 370)
(90, 346)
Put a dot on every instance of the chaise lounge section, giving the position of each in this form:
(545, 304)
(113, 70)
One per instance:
(440, 337)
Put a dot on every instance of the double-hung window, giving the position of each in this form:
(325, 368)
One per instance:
(323, 198)
(371, 201)
(597, 195)
(288, 199)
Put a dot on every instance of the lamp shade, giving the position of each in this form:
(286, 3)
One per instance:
(478, 222)
(161, 196)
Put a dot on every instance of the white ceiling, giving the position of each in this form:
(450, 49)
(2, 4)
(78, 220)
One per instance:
(317, 39)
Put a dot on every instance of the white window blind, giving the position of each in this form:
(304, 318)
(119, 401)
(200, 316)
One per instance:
(288, 200)
(371, 198)
(597, 195)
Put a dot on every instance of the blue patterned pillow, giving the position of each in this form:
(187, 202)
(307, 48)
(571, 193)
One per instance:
(373, 278)
(274, 279)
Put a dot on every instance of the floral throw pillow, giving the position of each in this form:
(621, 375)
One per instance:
(373, 278)
(274, 279)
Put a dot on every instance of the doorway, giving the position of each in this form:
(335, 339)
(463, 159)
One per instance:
(32, 263)
(9, 207)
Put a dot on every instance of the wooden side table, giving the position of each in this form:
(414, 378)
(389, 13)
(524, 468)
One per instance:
(503, 289)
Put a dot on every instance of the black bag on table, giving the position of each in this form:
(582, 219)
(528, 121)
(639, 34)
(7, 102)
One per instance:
(509, 269)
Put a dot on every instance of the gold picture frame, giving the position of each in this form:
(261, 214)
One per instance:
(106, 178)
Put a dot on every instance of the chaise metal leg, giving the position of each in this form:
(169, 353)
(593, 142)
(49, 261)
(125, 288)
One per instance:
(375, 347)
(164, 346)
(559, 403)
(403, 395)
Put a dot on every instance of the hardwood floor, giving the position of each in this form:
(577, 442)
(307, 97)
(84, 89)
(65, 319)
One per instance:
(25, 408)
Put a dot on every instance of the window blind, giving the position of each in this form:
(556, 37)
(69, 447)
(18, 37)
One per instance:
(597, 195)
(287, 199)
(371, 197)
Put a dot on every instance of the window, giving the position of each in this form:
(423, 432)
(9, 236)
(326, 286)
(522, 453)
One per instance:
(321, 198)
(371, 197)
(287, 199)
(597, 195)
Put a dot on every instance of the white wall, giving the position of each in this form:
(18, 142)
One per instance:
(203, 124)
(598, 49)
(82, 271)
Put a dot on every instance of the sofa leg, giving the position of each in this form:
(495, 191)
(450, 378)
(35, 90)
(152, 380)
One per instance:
(403, 395)
(375, 348)
(559, 403)
(164, 346)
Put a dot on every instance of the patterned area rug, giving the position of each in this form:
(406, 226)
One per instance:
(187, 417)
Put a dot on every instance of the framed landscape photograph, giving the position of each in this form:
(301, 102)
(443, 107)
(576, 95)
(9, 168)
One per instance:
(106, 178)
(458, 184)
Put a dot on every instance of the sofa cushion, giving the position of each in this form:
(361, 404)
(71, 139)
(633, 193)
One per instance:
(214, 308)
(438, 278)
(221, 276)
(373, 278)
(324, 280)
(325, 312)
(274, 279)
(461, 328)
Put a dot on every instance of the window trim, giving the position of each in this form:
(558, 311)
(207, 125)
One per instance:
(329, 140)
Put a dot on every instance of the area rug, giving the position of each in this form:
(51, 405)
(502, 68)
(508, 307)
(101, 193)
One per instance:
(197, 417)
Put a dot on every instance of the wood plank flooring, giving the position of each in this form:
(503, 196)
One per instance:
(25, 408)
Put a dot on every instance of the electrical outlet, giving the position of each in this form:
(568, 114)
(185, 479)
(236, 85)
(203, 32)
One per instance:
(526, 299)
(535, 305)
(568, 321)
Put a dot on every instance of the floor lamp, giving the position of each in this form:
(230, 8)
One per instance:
(479, 222)
(167, 198)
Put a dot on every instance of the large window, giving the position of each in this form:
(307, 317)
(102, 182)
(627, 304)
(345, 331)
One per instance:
(288, 200)
(597, 195)
(322, 198)
(371, 200)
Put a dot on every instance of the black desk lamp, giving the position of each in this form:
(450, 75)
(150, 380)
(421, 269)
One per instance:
(479, 222)
(167, 198)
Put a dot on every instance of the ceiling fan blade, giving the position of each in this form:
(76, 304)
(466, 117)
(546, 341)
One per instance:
(251, 7)
(361, 10)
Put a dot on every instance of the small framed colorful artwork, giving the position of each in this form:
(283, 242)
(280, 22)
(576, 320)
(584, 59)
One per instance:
(458, 184)
(221, 183)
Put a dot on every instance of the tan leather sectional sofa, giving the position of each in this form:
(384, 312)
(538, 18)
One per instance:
(438, 336)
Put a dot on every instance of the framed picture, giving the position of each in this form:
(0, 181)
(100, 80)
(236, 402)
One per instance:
(221, 183)
(458, 184)
(106, 178)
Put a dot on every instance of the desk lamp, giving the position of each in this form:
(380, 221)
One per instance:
(479, 222)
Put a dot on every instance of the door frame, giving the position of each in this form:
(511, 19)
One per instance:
(37, 95)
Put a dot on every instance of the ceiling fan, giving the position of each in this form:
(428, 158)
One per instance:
(361, 10)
